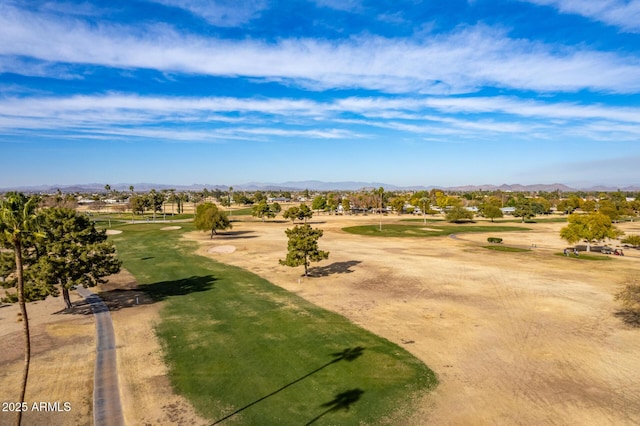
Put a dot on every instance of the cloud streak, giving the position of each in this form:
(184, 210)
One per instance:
(618, 13)
(222, 13)
(458, 62)
(478, 118)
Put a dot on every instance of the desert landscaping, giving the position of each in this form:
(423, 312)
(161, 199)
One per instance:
(514, 338)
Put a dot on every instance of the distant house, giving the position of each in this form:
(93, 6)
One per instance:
(508, 210)
(278, 200)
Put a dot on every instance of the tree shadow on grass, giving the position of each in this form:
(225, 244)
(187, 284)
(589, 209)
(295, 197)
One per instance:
(334, 268)
(629, 317)
(119, 298)
(348, 354)
(342, 401)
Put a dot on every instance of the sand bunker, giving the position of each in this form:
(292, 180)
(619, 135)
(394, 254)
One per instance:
(170, 228)
(113, 231)
(431, 229)
(222, 249)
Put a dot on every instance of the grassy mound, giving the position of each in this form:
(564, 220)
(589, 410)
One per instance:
(241, 348)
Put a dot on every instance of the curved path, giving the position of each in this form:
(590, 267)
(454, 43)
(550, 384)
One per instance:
(107, 409)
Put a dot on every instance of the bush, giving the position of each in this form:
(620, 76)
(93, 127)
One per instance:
(633, 240)
(494, 240)
(459, 215)
(629, 296)
(10, 298)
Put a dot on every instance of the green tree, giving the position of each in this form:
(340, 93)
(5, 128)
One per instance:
(138, 204)
(319, 203)
(588, 206)
(398, 204)
(459, 214)
(155, 200)
(332, 203)
(346, 206)
(304, 212)
(72, 253)
(492, 212)
(291, 213)
(589, 228)
(210, 218)
(258, 196)
(609, 208)
(302, 248)
(18, 224)
(262, 210)
(524, 209)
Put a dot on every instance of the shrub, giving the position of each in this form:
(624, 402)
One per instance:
(629, 296)
(633, 240)
(494, 240)
(10, 298)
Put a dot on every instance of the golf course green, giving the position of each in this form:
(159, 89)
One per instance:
(243, 350)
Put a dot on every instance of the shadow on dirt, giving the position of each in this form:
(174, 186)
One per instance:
(629, 317)
(334, 268)
(119, 298)
(348, 354)
(233, 235)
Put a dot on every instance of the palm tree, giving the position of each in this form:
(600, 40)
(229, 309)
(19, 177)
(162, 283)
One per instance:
(17, 223)
(132, 212)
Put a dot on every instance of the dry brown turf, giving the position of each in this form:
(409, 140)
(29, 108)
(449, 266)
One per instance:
(515, 338)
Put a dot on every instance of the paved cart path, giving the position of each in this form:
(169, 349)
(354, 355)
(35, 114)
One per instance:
(107, 409)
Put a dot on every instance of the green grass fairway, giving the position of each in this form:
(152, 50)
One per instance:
(241, 212)
(432, 231)
(245, 351)
(506, 249)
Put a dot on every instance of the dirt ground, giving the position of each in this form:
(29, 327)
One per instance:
(515, 338)
(63, 359)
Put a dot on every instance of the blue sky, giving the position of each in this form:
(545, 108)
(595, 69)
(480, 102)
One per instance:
(404, 92)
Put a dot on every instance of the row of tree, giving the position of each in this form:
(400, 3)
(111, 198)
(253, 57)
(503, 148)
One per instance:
(45, 251)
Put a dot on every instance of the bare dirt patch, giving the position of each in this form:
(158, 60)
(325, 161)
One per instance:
(63, 353)
(63, 358)
(515, 338)
(221, 249)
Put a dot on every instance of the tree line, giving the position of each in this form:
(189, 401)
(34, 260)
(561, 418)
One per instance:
(46, 251)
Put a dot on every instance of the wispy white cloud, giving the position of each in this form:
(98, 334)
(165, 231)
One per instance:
(474, 118)
(222, 13)
(31, 68)
(624, 14)
(463, 61)
(344, 5)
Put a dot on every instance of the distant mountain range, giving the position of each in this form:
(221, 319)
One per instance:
(312, 185)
